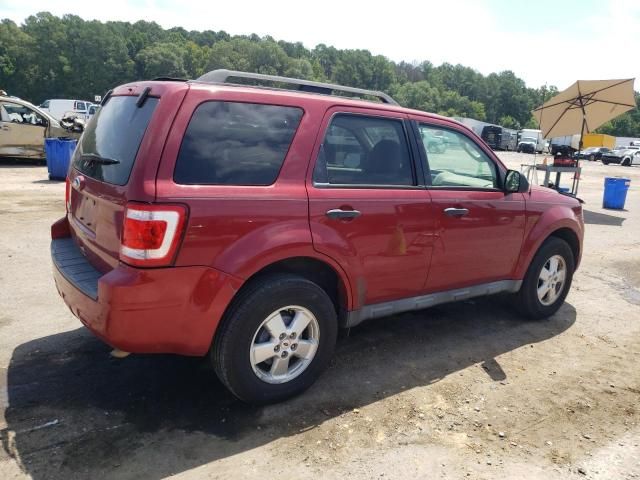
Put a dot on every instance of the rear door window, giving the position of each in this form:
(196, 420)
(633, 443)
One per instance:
(361, 150)
(230, 143)
(110, 143)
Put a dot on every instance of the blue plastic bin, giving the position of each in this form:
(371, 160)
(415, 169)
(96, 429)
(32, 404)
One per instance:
(615, 192)
(58, 152)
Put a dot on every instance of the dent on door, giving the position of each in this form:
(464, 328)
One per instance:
(22, 140)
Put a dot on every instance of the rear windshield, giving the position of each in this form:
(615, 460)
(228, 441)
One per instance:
(114, 135)
(229, 143)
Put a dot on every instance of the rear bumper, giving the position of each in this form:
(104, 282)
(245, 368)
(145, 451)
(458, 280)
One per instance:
(159, 310)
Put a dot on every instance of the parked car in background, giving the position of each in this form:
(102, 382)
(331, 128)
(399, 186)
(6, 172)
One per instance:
(93, 108)
(527, 145)
(23, 128)
(592, 153)
(249, 224)
(626, 156)
(58, 107)
(531, 141)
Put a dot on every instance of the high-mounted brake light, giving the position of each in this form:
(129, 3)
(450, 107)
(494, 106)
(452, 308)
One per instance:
(151, 233)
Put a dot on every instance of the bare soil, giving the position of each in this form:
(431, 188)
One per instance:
(466, 390)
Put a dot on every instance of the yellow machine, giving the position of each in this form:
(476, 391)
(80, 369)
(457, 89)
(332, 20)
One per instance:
(598, 140)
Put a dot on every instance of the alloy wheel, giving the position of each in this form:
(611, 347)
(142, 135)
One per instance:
(284, 344)
(551, 280)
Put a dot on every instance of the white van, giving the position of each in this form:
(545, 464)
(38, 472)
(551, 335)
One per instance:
(58, 107)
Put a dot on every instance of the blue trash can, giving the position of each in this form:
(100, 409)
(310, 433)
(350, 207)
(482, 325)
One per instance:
(615, 192)
(58, 152)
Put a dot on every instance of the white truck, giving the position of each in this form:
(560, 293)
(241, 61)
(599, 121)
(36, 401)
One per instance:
(59, 107)
(531, 141)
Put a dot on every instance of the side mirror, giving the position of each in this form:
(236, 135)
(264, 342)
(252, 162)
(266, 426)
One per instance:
(515, 182)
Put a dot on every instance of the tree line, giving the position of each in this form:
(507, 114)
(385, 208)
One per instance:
(68, 57)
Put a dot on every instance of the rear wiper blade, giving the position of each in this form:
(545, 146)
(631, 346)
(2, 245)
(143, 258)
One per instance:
(92, 157)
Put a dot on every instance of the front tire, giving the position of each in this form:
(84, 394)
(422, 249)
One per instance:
(626, 162)
(276, 339)
(547, 281)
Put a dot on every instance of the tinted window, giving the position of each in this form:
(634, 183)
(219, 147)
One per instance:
(228, 143)
(456, 161)
(359, 150)
(115, 133)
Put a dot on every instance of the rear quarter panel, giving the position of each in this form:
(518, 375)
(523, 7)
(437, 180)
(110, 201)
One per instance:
(241, 229)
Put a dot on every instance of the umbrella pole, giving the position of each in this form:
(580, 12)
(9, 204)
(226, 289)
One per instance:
(576, 176)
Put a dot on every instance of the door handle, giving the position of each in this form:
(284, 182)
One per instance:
(340, 214)
(456, 212)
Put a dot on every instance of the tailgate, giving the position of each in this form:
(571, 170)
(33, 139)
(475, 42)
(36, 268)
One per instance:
(116, 162)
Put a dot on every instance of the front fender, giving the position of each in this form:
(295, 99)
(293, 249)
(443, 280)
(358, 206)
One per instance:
(541, 225)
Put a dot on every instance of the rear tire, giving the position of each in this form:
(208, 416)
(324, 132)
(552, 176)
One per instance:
(626, 162)
(261, 324)
(605, 162)
(545, 288)
(592, 157)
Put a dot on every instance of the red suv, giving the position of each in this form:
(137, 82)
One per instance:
(249, 223)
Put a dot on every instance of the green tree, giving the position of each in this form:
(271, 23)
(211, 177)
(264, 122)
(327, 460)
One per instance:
(161, 60)
(507, 121)
(50, 56)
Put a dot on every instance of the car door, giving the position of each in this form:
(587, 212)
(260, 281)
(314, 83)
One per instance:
(479, 228)
(81, 109)
(22, 131)
(368, 211)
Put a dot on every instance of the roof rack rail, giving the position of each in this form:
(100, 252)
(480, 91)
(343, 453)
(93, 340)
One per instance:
(222, 75)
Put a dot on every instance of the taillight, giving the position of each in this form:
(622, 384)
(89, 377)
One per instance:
(151, 234)
(67, 194)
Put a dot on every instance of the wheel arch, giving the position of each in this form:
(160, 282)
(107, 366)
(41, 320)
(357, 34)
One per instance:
(566, 228)
(569, 236)
(327, 276)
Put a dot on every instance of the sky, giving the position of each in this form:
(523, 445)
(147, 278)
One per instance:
(552, 42)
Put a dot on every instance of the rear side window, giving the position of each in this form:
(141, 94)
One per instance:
(110, 142)
(229, 143)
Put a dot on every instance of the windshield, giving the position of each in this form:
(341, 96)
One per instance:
(114, 133)
(529, 139)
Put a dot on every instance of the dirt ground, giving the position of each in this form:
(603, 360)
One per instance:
(465, 390)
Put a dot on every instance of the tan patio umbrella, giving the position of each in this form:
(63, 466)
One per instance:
(584, 106)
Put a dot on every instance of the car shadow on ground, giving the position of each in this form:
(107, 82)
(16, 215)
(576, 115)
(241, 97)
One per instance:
(21, 163)
(595, 218)
(50, 181)
(74, 412)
